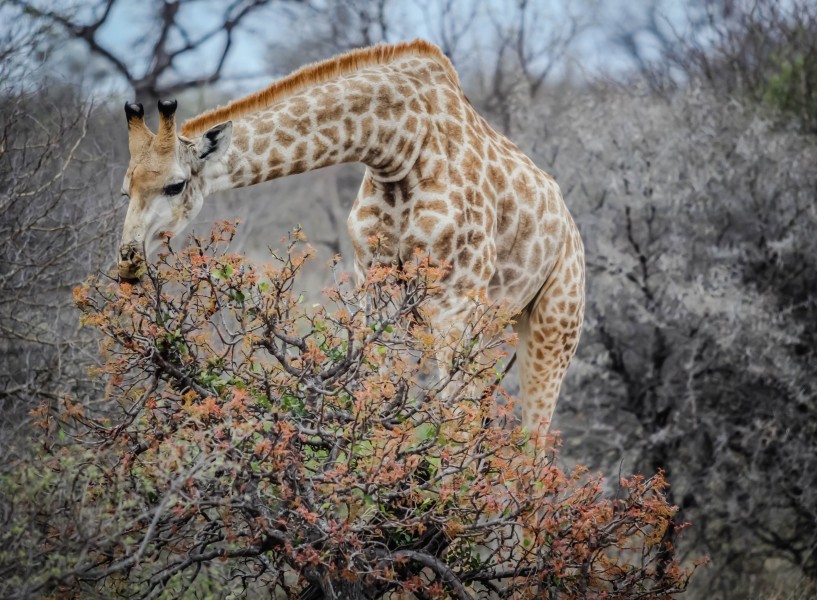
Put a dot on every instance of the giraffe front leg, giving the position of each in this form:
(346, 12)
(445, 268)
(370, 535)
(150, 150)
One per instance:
(548, 337)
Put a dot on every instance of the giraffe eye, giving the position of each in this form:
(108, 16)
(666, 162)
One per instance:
(174, 189)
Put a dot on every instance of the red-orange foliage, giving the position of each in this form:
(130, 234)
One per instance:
(313, 451)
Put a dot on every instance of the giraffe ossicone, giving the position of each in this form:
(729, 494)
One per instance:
(438, 177)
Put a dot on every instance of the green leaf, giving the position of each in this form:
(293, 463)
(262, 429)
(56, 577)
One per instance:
(292, 404)
(262, 400)
(426, 431)
(223, 273)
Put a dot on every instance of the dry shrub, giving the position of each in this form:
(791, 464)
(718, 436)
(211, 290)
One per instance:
(251, 442)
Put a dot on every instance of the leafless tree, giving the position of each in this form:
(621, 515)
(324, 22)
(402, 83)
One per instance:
(56, 208)
(645, 29)
(154, 70)
(354, 23)
(452, 23)
(761, 49)
(529, 45)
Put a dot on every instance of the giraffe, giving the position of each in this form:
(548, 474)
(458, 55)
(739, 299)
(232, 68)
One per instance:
(438, 177)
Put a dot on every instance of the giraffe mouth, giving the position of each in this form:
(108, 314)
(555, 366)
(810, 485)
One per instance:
(131, 265)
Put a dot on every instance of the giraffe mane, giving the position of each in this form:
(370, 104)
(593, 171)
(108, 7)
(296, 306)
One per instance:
(316, 73)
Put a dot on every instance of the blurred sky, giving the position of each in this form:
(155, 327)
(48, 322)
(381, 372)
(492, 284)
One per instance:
(268, 28)
(282, 26)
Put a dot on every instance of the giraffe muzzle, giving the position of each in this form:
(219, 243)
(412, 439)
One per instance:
(131, 264)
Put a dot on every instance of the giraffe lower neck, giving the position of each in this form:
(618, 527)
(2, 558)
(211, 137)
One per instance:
(343, 121)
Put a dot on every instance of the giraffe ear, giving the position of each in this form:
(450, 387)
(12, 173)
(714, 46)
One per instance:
(215, 141)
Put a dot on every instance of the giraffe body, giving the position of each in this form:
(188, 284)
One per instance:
(438, 178)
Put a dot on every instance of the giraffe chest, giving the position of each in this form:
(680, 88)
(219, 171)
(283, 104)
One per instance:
(390, 224)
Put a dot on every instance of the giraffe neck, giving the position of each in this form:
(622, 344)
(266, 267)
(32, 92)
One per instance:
(357, 118)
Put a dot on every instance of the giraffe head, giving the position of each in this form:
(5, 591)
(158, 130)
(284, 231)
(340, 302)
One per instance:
(165, 182)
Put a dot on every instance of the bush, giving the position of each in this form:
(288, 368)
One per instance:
(699, 352)
(250, 442)
(762, 50)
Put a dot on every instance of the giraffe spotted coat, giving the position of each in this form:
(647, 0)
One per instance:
(438, 177)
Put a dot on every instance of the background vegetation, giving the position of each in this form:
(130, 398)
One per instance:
(683, 139)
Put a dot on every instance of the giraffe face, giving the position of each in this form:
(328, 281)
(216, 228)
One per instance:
(164, 183)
